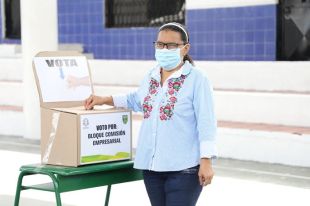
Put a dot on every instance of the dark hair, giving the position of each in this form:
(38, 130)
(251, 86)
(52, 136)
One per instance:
(174, 26)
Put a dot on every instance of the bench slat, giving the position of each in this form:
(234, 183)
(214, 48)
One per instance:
(86, 169)
(44, 187)
(91, 180)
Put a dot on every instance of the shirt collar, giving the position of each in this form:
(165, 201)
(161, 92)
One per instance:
(184, 70)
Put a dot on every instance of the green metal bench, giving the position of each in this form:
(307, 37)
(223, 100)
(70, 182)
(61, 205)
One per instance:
(66, 179)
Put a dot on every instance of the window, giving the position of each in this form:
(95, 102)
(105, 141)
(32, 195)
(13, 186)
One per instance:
(293, 40)
(11, 26)
(143, 13)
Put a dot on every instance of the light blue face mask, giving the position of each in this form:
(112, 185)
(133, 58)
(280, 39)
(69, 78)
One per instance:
(168, 59)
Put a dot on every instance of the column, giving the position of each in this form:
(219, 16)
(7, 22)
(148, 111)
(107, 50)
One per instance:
(39, 32)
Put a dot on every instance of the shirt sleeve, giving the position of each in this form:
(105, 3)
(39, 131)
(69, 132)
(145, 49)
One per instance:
(133, 99)
(206, 119)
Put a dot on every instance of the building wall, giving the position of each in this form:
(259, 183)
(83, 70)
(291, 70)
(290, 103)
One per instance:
(239, 31)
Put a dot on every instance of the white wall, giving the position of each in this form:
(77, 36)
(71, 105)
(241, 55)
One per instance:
(261, 76)
(233, 102)
(258, 107)
(251, 107)
(263, 146)
(260, 92)
(267, 76)
(11, 69)
(206, 4)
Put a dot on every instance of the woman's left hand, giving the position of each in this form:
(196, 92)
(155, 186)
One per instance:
(205, 171)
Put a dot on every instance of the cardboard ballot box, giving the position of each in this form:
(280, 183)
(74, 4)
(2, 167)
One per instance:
(71, 135)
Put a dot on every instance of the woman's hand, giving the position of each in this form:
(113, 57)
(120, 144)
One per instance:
(93, 100)
(205, 171)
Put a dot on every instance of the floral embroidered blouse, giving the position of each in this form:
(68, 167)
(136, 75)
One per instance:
(179, 125)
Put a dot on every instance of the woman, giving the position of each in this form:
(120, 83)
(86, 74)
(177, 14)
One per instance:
(177, 136)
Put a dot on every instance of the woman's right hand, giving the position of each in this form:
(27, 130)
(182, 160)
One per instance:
(93, 100)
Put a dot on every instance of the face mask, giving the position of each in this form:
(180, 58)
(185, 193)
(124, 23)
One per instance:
(168, 59)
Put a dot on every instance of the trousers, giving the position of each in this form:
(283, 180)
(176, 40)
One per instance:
(177, 188)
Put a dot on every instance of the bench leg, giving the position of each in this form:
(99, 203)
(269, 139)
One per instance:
(107, 196)
(58, 200)
(56, 189)
(19, 188)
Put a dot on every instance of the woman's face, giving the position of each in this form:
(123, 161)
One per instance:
(168, 36)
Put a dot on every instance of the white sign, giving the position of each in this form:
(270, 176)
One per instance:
(63, 78)
(105, 137)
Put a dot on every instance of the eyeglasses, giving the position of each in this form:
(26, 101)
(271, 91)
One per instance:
(169, 46)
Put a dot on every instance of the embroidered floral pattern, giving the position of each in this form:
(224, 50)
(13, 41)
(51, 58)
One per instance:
(148, 100)
(166, 110)
(174, 85)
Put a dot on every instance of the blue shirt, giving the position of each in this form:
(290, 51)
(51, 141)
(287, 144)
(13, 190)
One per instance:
(179, 125)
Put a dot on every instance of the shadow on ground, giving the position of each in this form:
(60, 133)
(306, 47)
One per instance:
(8, 200)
